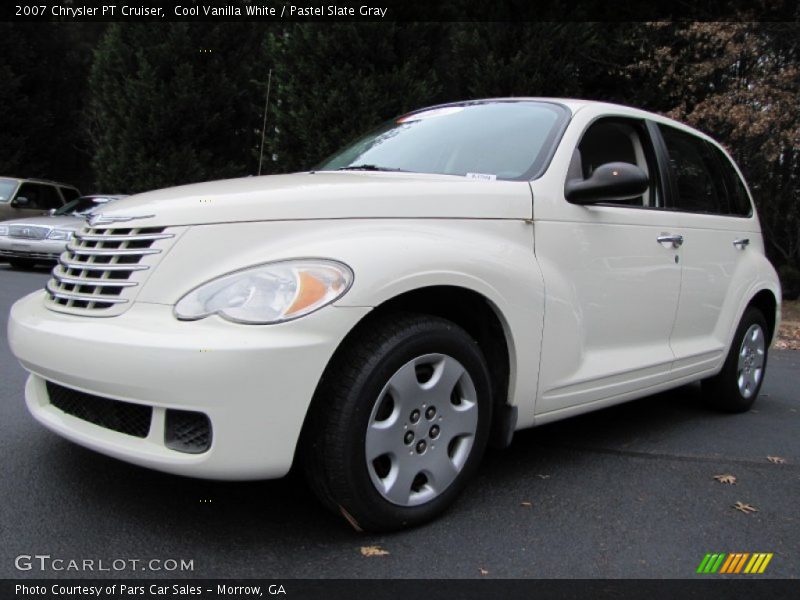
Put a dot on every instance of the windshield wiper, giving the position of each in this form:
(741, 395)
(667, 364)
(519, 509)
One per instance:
(366, 167)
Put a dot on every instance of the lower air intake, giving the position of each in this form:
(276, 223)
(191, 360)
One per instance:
(187, 431)
(124, 417)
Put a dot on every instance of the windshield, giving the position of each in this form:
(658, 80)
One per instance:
(7, 187)
(80, 206)
(485, 140)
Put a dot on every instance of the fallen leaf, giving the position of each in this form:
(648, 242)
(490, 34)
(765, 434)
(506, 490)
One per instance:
(353, 523)
(745, 508)
(727, 478)
(373, 551)
(776, 460)
(526, 504)
(484, 572)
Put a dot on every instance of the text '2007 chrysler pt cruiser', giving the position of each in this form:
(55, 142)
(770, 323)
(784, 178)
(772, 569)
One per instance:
(461, 272)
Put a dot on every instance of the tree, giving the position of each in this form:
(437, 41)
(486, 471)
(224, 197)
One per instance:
(43, 69)
(175, 103)
(740, 82)
(333, 81)
(529, 59)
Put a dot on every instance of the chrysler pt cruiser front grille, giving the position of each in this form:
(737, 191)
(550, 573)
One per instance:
(102, 268)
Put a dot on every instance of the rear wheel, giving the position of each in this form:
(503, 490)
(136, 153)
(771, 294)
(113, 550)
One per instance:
(21, 263)
(736, 387)
(400, 422)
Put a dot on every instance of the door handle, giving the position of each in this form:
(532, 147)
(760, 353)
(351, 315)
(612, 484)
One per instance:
(675, 240)
(741, 244)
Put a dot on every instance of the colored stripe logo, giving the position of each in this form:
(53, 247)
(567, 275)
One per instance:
(738, 562)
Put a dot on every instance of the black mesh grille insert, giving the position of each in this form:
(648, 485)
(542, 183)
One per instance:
(187, 431)
(124, 417)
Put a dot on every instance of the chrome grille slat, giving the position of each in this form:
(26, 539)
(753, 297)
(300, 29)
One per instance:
(111, 251)
(102, 268)
(123, 238)
(93, 281)
(85, 297)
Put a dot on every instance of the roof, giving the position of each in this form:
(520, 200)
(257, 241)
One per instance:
(38, 180)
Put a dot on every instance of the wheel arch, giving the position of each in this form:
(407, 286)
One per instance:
(767, 303)
(485, 323)
(479, 317)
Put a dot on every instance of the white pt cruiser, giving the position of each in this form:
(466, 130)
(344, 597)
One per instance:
(461, 272)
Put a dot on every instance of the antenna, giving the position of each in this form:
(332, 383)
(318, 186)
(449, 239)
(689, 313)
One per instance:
(264, 124)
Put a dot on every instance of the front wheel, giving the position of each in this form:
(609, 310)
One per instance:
(400, 422)
(736, 387)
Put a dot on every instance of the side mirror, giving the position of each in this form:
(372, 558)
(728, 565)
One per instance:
(20, 201)
(609, 182)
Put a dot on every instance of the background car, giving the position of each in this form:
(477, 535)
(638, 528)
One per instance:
(32, 197)
(25, 242)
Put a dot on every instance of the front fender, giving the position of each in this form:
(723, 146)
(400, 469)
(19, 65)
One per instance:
(389, 257)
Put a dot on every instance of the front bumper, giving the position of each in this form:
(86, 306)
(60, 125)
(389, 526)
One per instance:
(44, 250)
(255, 383)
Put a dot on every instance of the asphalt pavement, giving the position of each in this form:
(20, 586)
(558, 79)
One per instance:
(627, 492)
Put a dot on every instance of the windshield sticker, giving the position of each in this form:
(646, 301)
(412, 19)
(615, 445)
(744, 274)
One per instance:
(430, 114)
(481, 176)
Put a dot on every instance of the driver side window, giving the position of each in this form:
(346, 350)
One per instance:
(617, 140)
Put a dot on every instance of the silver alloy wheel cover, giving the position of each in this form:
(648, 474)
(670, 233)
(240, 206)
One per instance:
(440, 457)
(750, 368)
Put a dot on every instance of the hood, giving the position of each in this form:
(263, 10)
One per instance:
(327, 195)
(65, 222)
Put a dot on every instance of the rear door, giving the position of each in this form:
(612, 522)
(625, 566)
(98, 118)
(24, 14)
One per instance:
(719, 229)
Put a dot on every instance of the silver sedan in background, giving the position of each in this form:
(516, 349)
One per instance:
(26, 242)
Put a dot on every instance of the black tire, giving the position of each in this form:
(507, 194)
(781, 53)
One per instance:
(334, 440)
(722, 392)
(21, 263)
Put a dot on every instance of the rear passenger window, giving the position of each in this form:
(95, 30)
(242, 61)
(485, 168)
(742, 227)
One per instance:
(705, 180)
(50, 198)
(69, 194)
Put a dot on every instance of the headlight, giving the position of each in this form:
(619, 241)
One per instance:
(270, 293)
(60, 234)
(3, 229)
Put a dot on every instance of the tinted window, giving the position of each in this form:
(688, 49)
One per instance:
(50, 198)
(82, 205)
(69, 193)
(738, 200)
(40, 197)
(503, 140)
(700, 186)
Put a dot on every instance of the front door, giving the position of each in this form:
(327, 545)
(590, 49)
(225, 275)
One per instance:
(611, 287)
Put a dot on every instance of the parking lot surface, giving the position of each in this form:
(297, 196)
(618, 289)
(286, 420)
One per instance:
(624, 492)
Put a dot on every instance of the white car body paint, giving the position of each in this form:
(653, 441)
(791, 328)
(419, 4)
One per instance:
(594, 310)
